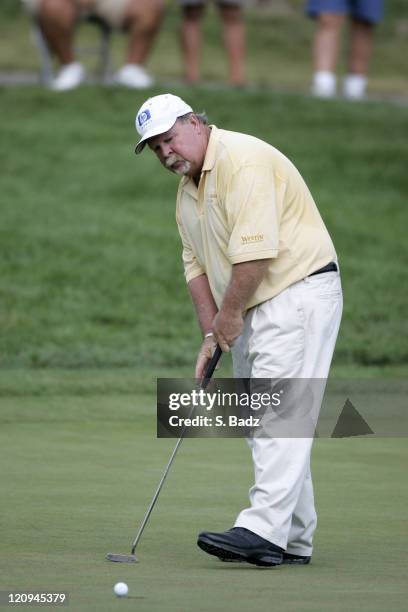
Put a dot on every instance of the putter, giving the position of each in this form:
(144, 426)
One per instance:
(118, 558)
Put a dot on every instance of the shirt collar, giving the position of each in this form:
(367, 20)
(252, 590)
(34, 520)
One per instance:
(189, 186)
(209, 159)
(187, 183)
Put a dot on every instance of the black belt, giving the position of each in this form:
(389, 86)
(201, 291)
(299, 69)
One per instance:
(331, 267)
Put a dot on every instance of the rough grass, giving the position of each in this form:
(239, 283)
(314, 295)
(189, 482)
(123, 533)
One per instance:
(90, 257)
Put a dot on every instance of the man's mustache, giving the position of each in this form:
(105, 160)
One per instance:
(172, 159)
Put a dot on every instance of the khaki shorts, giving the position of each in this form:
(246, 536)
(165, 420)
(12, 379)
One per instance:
(112, 11)
(200, 2)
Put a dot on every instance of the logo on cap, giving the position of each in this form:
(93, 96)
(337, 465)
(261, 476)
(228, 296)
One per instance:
(143, 117)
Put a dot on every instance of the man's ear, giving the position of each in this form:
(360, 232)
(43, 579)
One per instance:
(195, 121)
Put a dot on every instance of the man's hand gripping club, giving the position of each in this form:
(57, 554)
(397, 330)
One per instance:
(225, 326)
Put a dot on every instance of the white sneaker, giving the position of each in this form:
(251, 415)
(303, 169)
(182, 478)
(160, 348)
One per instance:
(324, 84)
(354, 86)
(134, 76)
(69, 77)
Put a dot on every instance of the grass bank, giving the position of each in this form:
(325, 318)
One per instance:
(90, 256)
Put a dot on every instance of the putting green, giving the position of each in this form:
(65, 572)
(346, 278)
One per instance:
(78, 473)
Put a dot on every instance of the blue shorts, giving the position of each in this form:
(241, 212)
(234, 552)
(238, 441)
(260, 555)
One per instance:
(367, 10)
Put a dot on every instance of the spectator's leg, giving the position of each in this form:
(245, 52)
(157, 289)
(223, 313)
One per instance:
(57, 20)
(142, 20)
(361, 44)
(234, 41)
(325, 53)
(190, 38)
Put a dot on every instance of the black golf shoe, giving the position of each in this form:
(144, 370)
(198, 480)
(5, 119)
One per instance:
(289, 559)
(240, 544)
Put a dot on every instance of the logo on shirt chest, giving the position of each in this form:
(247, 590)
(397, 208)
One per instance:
(252, 238)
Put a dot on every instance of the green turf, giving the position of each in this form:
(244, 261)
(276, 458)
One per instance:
(78, 473)
(90, 256)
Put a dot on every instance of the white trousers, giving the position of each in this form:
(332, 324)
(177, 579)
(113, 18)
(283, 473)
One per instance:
(290, 336)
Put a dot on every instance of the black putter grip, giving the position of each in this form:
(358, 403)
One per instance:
(209, 371)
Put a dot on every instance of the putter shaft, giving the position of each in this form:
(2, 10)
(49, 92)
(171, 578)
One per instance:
(206, 379)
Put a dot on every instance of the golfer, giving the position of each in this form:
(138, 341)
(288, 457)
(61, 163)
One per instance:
(263, 275)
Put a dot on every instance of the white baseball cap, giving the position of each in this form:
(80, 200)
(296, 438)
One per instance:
(157, 115)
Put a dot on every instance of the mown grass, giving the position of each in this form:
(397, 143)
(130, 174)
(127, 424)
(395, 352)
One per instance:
(90, 256)
(78, 474)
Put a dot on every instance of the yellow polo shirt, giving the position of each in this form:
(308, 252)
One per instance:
(251, 203)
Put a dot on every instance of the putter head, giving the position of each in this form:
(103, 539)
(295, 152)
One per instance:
(121, 558)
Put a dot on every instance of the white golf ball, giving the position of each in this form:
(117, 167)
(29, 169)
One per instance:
(121, 589)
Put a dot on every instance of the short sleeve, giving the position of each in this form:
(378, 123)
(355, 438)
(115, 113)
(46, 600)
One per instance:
(252, 215)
